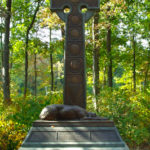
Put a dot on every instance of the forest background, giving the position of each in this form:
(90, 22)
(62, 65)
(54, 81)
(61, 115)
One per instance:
(117, 66)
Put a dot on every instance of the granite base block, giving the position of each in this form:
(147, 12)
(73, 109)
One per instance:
(73, 135)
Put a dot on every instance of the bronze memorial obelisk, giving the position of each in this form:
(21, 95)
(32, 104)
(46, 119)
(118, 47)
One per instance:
(74, 76)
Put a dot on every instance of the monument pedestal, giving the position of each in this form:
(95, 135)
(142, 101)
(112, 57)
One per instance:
(73, 135)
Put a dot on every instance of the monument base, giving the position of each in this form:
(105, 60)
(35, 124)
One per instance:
(73, 135)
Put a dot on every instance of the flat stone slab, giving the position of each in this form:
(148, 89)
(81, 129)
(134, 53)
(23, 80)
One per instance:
(77, 148)
(74, 123)
(70, 135)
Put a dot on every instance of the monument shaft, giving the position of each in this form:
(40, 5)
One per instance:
(74, 76)
(74, 88)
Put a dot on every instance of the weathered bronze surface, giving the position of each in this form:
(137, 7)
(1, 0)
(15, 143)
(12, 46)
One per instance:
(66, 112)
(75, 84)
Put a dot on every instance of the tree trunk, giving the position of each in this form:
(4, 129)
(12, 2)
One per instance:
(105, 82)
(35, 76)
(1, 56)
(26, 66)
(110, 80)
(51, 61)
(63, 34)
(52, 73)
(11, 59)
(146, 76)
(147, 72)
(96, 56)
(134, 64)
(26, 47)
(6, 82)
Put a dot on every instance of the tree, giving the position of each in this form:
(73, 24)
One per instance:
(109, 55)
(147, 68)
(110, 83)
(134, 63)
(35, 74)
(26, 46)
(96, 57)
(2, 30)
(51, 62)
(53, 22)
(6, 81)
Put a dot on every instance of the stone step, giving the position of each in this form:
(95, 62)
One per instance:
(74, 123)
(74, 148)
(74, 144)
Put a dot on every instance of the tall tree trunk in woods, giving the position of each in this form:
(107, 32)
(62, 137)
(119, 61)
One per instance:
(63, 39)
(26, 65)
(51, 62)
(105, 83)
(134, 64)
(147, 70)
(1, 56)
(110, 77)
(6, 82)
(96, 57)
(146, 76)
(11, 59)
(52, 72)
(26, 47)
(35, 75)
(12, 35)
(63, 34)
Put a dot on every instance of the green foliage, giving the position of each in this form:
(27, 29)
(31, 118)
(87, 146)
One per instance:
(129, 111)
(16, 120)
(12, 134)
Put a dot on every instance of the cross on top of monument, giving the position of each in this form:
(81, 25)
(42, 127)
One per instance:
(74, 5)
(58, 4)
(74, 76)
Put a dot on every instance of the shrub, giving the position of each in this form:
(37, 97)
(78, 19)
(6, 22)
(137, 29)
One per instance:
(16, 120)
(130, 112)
(11, 134)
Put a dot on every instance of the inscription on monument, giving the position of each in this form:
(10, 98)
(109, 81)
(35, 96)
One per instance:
(74, 79)
(43, 136)
(78, 135)
(74, 136)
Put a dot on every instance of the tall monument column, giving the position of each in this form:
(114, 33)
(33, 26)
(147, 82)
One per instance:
(75, 72)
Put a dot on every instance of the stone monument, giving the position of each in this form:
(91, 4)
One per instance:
(75, 84)
(80, 134)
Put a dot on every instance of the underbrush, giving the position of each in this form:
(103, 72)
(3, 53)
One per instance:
(16, 120)
(130, 112)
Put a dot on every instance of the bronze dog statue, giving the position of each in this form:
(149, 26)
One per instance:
(64, 112)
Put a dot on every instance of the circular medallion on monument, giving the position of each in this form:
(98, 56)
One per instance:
(75, 19)
(75, 49)
(75, 64)
(75, 33)
(76, 79)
